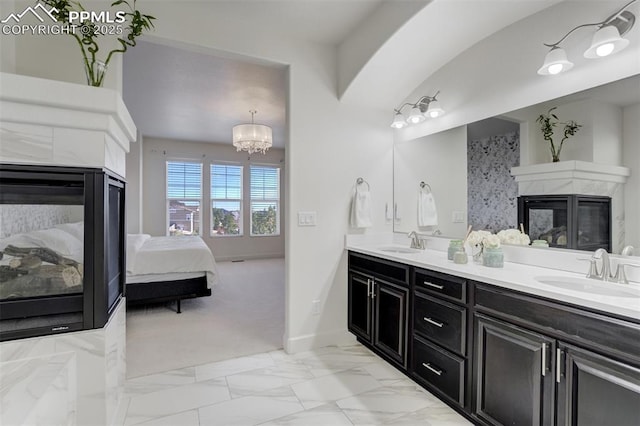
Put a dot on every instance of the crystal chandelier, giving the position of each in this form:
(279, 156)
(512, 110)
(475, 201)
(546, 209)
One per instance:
(252, 137)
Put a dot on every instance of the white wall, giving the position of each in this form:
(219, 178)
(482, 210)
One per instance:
(631, 159)
(158, 151)
(7, 42)
(58, 57)
(439, 160)
(134, 186)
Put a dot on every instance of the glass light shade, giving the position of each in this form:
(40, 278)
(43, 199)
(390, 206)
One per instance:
(398, 121)
(415, 116)
(555, 62)
(434, 110)
(252, 138)
(606, 41)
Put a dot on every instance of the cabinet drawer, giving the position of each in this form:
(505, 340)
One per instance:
(381, 268)
(441, 322)
(444, 285)
(438, 368)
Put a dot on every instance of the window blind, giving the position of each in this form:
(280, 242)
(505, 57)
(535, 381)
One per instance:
(265, 183)
(184, 180)
(226, 182)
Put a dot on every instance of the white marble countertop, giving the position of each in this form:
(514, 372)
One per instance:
(514, 276)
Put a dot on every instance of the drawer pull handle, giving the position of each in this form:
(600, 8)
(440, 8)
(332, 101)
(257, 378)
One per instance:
(438, 286)
(433, 370)
(436, 323)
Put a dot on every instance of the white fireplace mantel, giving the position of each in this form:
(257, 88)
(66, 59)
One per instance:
(57, 123)
(564, 172)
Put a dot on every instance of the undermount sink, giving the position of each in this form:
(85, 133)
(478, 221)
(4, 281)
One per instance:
(591, 286)
(399, 250)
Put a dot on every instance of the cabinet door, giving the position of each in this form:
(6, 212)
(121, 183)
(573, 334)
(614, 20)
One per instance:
(390, 320)
(514, 380)
(595, 390)
(360, 287)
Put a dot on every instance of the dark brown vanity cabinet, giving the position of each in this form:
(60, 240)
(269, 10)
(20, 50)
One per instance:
(439, 355)
(539, 362)
(378, 305)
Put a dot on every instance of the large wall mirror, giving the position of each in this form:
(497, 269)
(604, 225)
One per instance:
(469, 170)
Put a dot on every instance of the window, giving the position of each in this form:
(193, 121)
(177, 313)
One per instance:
(265, 200)
(184, 195)
(226, 200)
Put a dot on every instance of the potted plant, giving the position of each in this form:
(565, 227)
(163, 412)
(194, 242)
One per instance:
(88, 34)
(547, 123)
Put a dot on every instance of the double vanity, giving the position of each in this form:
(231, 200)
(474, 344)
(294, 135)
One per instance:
(519, 345)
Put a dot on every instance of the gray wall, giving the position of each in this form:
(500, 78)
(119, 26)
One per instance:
(156, 152)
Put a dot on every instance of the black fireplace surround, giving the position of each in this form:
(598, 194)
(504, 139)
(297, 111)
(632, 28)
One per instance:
(93, 297)
(579, 222)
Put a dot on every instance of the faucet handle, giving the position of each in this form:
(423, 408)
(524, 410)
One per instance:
(593, 268)
(621, 277)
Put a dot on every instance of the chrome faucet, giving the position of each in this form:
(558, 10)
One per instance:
(605, 271)
(416, 241)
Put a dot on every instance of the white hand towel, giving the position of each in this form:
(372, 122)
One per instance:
(427, 212)
(361, 209)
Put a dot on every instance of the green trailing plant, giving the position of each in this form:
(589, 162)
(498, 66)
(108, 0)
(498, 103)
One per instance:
(548, 122)
(88, 34)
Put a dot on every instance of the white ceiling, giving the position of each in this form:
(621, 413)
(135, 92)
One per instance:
(175, 93)
(183, 94)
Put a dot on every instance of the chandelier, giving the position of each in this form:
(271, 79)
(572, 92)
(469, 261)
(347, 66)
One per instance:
(252, 137)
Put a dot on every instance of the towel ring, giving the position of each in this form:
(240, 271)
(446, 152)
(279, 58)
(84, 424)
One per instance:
(360, 181)
(425, 185)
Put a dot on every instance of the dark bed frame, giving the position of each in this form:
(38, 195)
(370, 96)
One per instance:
(167, 291)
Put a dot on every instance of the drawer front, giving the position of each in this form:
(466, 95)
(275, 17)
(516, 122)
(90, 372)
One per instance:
(441, 322)
(440, 369)
(442, 285)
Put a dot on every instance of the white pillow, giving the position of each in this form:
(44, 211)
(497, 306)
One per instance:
(57, 240)
(76, 229)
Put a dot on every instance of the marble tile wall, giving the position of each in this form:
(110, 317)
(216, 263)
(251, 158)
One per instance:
(71, 378)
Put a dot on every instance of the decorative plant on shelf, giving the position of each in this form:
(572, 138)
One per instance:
(547, 123)
(130, 25)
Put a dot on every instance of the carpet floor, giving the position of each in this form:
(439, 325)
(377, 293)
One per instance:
(244, 316)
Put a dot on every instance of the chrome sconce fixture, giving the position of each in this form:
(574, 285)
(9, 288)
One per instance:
(606, 41)
(426, 107)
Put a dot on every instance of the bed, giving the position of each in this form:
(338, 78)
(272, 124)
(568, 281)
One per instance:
(161, 269)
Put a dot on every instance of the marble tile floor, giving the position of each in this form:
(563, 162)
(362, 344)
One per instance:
(330, 386)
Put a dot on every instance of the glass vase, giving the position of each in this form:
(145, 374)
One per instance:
(95, 71)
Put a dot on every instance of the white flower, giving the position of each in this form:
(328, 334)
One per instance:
(513, 236)
(491, 241)
(476, 237)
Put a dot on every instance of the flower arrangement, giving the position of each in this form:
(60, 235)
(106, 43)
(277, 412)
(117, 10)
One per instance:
(547, 123)
(483, 239)
(89, 34)
(513, 236)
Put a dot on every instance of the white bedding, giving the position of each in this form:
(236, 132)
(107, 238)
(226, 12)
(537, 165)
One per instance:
(162, 255)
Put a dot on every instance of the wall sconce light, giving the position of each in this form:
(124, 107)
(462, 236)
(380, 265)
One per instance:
(426, 107)
(606, 41)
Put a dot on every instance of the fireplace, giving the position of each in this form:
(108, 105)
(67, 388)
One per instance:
(580, 222)
(62, 242)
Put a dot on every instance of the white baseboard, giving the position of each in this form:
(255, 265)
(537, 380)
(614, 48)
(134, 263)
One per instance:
(319, 340)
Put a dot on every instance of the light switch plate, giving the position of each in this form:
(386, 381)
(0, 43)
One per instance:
(457, 217)
(306, 218)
